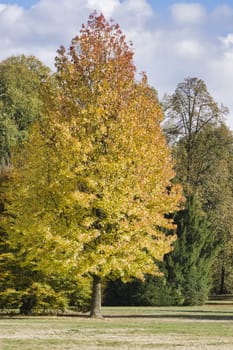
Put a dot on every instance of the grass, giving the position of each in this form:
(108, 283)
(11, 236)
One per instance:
(169, 328)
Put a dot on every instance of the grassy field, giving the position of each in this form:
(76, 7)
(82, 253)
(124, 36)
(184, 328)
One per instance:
(209, 328)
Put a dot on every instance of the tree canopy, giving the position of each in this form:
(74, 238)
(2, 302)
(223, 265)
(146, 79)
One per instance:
(189, 111)
(20, 102)
(92, 184)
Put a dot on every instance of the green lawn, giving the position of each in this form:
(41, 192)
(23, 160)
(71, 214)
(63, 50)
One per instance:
(208, 327)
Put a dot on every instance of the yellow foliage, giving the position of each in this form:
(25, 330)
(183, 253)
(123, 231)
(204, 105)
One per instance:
(93, 183)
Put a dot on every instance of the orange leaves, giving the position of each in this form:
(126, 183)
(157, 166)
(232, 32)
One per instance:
(99, 53)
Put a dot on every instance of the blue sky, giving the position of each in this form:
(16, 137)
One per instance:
(156, 4)
(164, 4)
(23, 3)
(172, 39)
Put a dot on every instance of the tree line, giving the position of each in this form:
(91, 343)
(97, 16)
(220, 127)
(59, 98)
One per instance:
(103, 185)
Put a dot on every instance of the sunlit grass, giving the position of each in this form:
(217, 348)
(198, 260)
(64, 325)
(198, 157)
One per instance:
(208, 327)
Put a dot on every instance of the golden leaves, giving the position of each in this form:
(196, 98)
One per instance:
(85, 198)
(97, 167)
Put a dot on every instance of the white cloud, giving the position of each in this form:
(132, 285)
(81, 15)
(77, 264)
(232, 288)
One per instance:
(10, 16)
(184, 13)
(105, 6)
(10, 13)
(134, 15)
(220, 76)
(227, 41)
(189, 48)
(140, 8)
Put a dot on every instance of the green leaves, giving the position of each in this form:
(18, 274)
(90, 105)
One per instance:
(20, 102)
(202, 147)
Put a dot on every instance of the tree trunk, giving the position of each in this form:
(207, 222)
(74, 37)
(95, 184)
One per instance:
(96, 298)
(222, 285)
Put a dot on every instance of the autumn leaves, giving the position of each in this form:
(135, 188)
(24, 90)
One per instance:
(89, 191)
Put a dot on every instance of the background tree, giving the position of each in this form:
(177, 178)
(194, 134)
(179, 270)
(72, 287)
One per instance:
(188, 267)
(212, 175)
(152, 291)
(96, 169)
(20, 106)
(20, 102)
(217, 201)
(202, 147)
(188, 112)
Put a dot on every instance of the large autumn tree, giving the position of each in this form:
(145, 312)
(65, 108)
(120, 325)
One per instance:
(92, 184)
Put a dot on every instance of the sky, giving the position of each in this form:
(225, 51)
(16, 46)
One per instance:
(172, 40)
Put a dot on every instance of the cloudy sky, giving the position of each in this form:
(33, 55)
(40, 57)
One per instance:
(172, 39)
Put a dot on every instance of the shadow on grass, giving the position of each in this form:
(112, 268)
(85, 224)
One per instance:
(208, 315)
(185, 316)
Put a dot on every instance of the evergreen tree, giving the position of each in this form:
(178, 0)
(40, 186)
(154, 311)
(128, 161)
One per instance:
(188, 267)
(152, 291)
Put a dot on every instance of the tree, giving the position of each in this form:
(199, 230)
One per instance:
(152, 291)
(188, 112)
(217, 199)
(20, 102)
(189, 265)
(20, 105)
(96, 169)
(29, 290)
